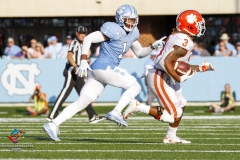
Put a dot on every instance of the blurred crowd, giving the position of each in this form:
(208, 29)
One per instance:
(58, 50)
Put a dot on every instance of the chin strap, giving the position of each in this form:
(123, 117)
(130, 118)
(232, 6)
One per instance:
(159, 113)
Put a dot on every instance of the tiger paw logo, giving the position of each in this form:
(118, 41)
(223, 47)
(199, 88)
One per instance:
(15, 135)
(191, 18)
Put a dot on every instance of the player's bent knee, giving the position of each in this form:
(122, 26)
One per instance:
(179, 112)
(136, 86)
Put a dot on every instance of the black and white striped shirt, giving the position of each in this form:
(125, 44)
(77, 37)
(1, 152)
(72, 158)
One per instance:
(76, 48)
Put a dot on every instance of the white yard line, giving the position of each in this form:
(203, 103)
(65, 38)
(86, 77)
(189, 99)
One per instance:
(125, 143)
(146, 129)
(127, 133)
(142, 151)
(84, 119)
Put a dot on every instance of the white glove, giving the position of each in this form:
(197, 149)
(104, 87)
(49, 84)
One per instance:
(82, 70)
(147, 67)
(206, 66)
(159, 43)
(186, 76)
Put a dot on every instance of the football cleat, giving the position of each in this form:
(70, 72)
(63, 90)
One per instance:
(116, 117)
(51, 129)
(131, 108)
(174, 140)
(96, 119)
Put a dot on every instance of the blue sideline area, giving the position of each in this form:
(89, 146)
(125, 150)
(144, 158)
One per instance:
(18, 78)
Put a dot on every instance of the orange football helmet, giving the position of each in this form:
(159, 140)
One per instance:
(192, 22)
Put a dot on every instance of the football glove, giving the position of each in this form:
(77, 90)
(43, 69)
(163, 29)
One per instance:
(147, 67)
(159, 43)
(186, 76)
(206, 66)
(82, 70)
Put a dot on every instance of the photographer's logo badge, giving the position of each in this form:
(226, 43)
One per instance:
(15, 135)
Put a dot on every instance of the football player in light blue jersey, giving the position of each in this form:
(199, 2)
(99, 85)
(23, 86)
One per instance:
(116, 39)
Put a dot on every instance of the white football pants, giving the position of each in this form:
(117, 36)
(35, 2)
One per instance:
(97, 80)
(168, 94)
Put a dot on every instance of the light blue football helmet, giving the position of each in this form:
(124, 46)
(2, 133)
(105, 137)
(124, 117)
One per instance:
(126, 11)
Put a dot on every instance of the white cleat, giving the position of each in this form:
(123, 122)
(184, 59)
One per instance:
(52, 130)
(174, 140)
(131, 108)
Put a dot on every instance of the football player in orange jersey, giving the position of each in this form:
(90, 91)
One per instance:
(164, 81)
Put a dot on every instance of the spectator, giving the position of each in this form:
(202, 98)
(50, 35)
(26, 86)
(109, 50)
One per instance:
(24, 54)
(238, 49)
(202, 49)
(195, 51)
(47, 50)
(32, 46)
(11, 48)
(211, 47)
(224, 38)
(53, 48)
(40, 102)
(64, 50)
(228, 98)
(39, 51)
(150, 61)
(222, 51)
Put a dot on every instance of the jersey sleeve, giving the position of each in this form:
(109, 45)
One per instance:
(109, 29)
(184, 42)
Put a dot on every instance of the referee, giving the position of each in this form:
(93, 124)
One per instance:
(72, 79)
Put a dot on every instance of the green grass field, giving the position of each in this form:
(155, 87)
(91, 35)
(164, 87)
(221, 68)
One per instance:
(213, 136)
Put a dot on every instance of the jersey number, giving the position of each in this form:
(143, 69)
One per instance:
(123, 51)
(185, 42)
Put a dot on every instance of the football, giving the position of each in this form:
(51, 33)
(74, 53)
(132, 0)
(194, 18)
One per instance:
(181, 67)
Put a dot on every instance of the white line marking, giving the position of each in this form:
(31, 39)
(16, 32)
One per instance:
(146, 151)
(110, 143)
(131, 118)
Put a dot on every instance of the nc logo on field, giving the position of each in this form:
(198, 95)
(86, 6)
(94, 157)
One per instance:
(19, 78)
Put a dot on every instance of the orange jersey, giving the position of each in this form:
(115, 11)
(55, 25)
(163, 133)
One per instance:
(177, 39)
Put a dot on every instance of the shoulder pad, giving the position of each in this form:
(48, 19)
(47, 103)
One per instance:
(184, 41)
(111, 29)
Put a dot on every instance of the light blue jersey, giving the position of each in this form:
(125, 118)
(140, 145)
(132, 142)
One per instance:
(113, 50)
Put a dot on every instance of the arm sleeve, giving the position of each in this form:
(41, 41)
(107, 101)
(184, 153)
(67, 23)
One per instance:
(94, 37)
(139, 50)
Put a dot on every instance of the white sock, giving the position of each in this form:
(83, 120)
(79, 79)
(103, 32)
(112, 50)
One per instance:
(82, 102)
(172, 131)
(130, 93)
(122, 103)
(143, 108)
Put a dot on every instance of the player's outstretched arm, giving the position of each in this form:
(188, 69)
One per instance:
(205, 66)
(141, 52)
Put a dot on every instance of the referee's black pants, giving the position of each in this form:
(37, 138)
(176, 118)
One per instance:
(71, 80)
